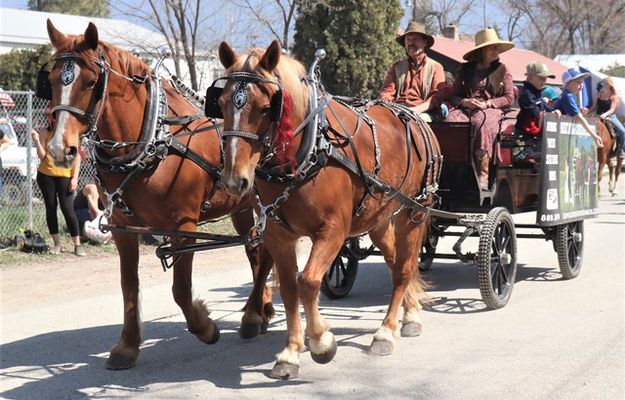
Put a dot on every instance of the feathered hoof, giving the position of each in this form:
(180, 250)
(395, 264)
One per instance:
(411, 329)
(325, 357)
(381, 347)
(611, 186)
(211, 335)
(249, 331)
(264, 327)
(284, 371)
(117, 361)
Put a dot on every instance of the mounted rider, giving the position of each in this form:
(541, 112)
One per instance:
(415, 79)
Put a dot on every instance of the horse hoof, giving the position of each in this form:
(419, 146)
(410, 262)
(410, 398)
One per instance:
(264, 327)
(411, 329)
(380, 347)
(249, 331)
(284, 371)
(118, 361)
(611, 186)
(212, 337)
(326, 357)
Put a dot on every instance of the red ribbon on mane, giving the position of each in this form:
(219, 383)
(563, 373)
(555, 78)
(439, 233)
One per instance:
(284, 135)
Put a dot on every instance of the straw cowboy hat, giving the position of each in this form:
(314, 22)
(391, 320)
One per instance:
(415, 27)
(484, 38)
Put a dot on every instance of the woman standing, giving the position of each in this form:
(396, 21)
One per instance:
(483, 87)
(57, 185)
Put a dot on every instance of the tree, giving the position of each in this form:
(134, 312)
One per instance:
(359, 38)
(553, 27)
(437, 14)
(181, 24)
(89, 8)
(277, 16)
(18, 68)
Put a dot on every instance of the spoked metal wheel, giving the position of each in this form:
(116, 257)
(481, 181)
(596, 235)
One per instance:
(340, 277)
(428, 250)
(497, 258)
(569, 244)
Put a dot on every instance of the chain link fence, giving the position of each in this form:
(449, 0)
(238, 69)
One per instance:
(21, 203)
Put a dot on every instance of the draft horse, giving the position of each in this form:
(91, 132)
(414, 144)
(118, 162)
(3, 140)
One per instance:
(108, 95)
(607, 155)
(372, 159)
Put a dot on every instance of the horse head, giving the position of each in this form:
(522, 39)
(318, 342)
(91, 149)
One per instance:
(262, 100)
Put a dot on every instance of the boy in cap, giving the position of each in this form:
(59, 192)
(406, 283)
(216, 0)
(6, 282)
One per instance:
(533, 103)
(414, 80)
(572, 80)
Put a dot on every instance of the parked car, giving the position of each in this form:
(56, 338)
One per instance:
(15, 167)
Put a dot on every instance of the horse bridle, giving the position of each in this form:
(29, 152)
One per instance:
(239, 99)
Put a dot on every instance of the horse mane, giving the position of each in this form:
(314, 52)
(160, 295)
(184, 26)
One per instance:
(126, 61)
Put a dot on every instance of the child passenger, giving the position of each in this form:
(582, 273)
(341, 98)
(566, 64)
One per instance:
(567, 103)
(533, 103)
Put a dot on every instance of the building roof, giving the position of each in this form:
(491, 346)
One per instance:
(593, 62)
(25, 27)
(515, 59)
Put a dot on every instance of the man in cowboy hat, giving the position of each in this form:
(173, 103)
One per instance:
(415, 79)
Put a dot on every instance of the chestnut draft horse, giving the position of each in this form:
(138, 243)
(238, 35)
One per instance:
(107, 94)
(373, 159)
(607, 155)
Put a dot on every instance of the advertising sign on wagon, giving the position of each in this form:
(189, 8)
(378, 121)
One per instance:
(568, 188)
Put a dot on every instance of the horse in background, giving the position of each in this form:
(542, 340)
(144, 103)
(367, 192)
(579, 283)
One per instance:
(266, 96)
(99, 88)
(606, 155)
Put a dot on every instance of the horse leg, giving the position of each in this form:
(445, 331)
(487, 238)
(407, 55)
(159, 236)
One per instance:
(258, 309)
(617, 173)
(124, 354)
(600, 172)
(283, 252)
(195, 311)
(400, 244)
(324, 249)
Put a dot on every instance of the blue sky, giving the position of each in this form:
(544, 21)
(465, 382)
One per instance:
(471, 23)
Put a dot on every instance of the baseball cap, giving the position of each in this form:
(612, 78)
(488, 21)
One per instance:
(573, 73)
(540, 69)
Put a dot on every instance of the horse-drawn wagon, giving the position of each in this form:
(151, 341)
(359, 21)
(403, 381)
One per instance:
(561, 189)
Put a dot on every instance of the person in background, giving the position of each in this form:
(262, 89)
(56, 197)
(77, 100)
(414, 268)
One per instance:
(414, 80)
(550, 95)
(482, 88)
(567, 102)
(605, 107)
(533, 103)
(4, 143)
(57, 185)
(90, 213)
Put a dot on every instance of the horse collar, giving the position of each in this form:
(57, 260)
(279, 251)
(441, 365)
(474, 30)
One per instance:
(239, 97)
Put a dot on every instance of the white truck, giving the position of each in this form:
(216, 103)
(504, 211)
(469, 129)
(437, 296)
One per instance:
(15, 167)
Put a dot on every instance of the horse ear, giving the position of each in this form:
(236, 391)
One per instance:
(227, 56)
(56, 37)
(91, 36)
(272, 56)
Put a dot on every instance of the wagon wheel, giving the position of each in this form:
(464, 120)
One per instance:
(497, 258)
(340, 277)
(569, 244)
(426, 258)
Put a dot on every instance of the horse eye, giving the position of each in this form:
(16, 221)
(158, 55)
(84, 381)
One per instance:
(265, 110)
(91, 84)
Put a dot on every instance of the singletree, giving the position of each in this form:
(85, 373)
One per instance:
(359, 38)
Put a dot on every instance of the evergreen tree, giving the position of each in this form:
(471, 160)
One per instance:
(359, 38)
(18, 68)
(88, 8)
